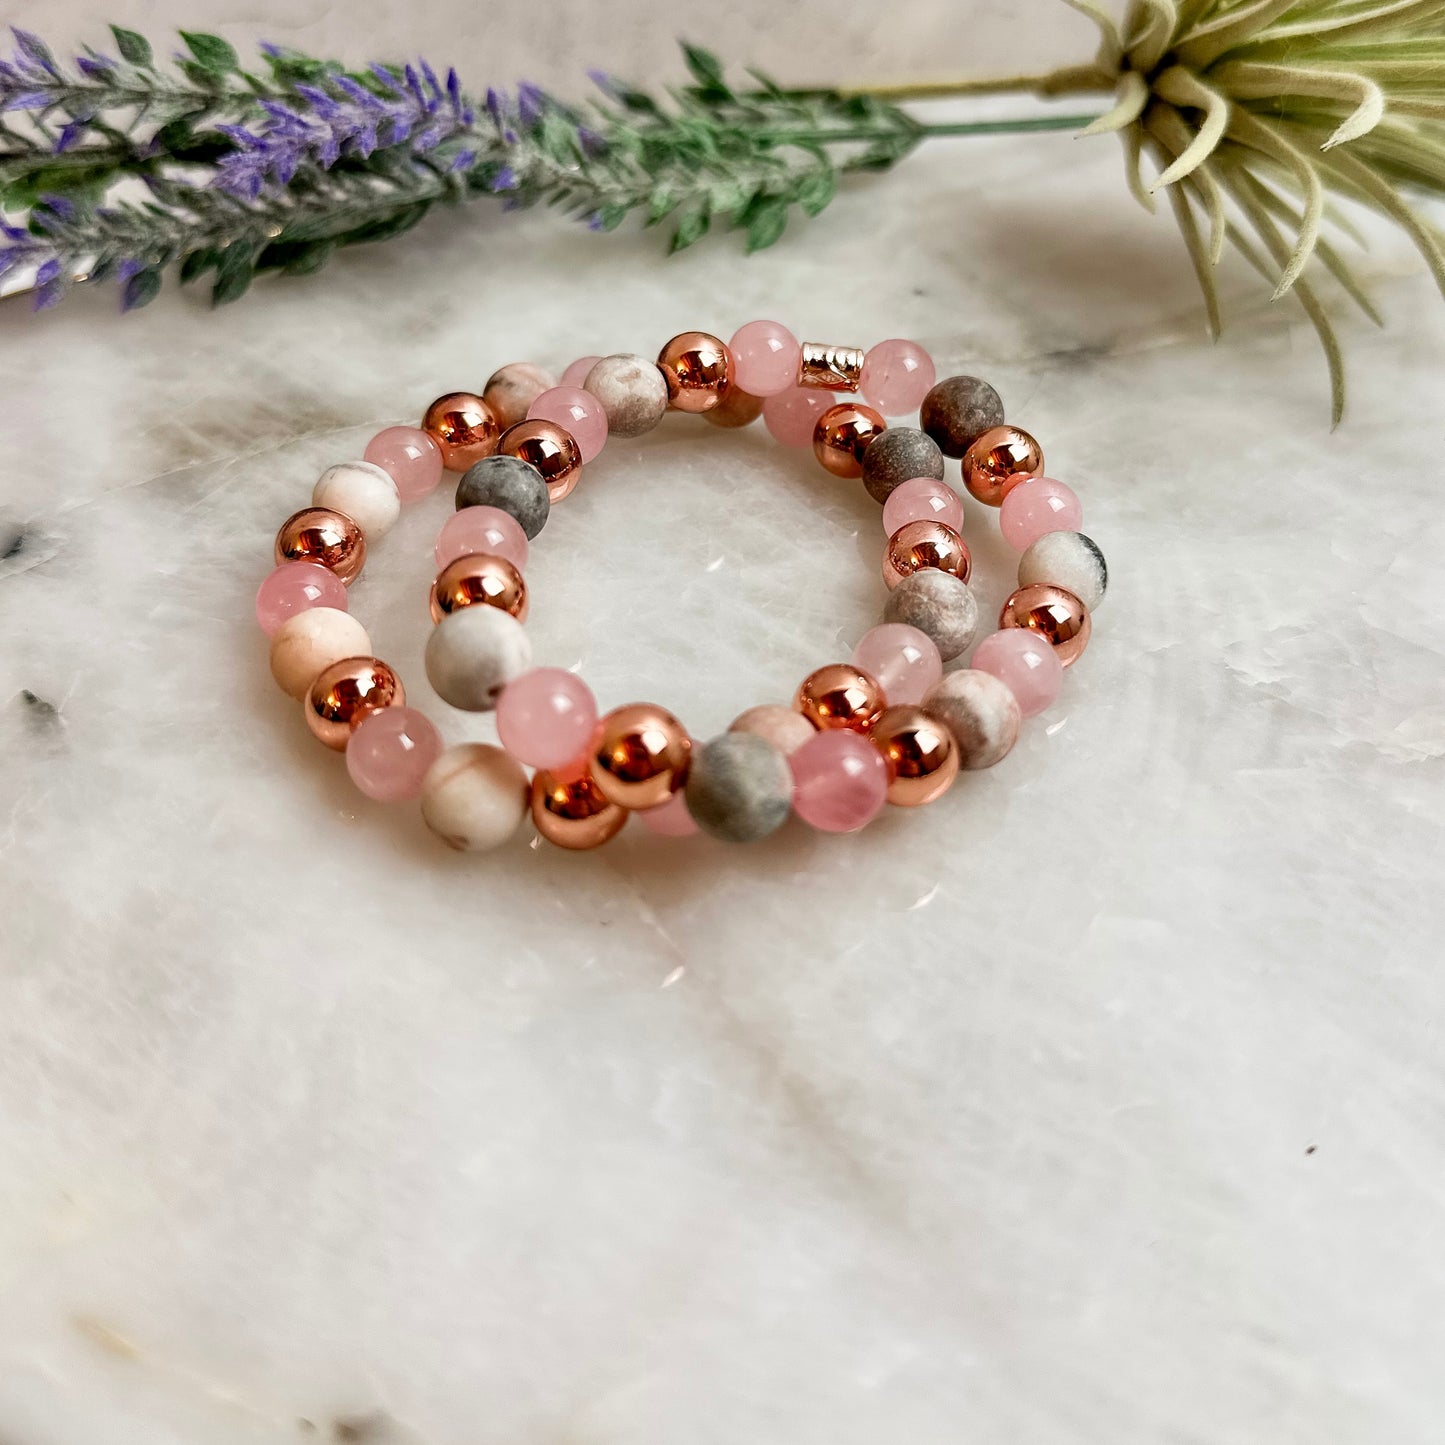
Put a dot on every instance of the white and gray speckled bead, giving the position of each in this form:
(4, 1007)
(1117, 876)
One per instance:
(739, 788)
(511, 389)
(899, 455)
(363, 492)
(1069, 560)
(511, 484)
(939, 605)
(633, 393)
(473, 654)
(474, 797)
(959, 409)
(980, 712)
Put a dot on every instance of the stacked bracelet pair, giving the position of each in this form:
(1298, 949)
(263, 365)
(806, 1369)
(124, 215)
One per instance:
(887, 726)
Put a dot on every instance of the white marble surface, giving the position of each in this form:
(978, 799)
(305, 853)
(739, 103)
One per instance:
(1101, 1102)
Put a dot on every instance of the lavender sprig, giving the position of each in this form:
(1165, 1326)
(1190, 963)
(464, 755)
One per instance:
(277, 167)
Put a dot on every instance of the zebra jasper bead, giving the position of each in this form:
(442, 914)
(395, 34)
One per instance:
(510, 484)
(939, 605)
(1069, 560)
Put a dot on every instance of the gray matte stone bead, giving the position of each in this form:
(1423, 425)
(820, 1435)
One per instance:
(511, 484)
(959, 409)
(899, 455)
(473, 654)
(940, 606)
(739, 788)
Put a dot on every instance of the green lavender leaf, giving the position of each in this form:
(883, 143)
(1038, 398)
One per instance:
(690, 230)
(141, 289)
(134, 49)
(214, 55)
(817, 190)
(234, 273)
(766, 223)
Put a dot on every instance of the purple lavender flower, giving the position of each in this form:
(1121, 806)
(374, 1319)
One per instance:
(341, 117)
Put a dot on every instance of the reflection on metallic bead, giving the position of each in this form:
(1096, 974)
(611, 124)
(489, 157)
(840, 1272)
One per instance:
(511, 389)
(641, 755)
(344, 693)
(998, 461)
(319, 534)
(925, 544)
(843, 434)
(1056, 615)
(697, 368)
(479, 577)
(551, 449)
(830, 368)
(574, 813)
(737, 408)
(463, 426)
(840, 696)
(921, 754)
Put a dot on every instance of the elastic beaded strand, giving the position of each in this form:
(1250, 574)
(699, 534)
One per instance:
(886, 727)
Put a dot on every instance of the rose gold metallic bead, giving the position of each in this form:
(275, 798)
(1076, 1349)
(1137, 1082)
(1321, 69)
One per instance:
(640, 756)
(463, 426)
(1056, 615)
(842, 434)
(548, 447)
(320, 534)
(346, 692)
(840, 696)
(831, 368)
(998, 461)
(479, 577)
(697, 368)
(917, 545)
(921, 754)
(737, 408)
(573, 813)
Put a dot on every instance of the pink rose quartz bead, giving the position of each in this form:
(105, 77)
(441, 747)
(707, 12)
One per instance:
(922, 500)
(840, 781)
(294, 587)
(546, 718)
(903, 661)
(1036, 508)
(766, 357)
(576, 374)
(1025, 663)
(389, 752)
(576, 411)
(897, 375)
(792, 415)
(409, 457)
(482, 532)
(672, 819)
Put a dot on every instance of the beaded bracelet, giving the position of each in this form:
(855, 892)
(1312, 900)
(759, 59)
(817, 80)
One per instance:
(887, 726)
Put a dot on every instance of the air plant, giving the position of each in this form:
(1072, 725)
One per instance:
(1259, 118)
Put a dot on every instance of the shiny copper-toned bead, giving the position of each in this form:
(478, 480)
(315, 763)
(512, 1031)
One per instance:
(1055, 614)
(925, 544)
(842, 434)
(346, 692)
(697, 368)
(551, 449)
(640, 756)
(737, 408)
(840, 696)
(573, 813)
(463, 426)
(921, 754)
(479, 577)
(319, 534)
(998, 461)
(831, 368)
